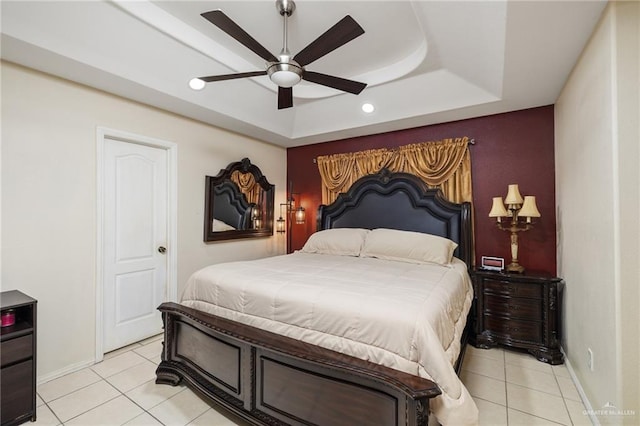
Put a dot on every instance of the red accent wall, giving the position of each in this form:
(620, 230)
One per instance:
(515, 147)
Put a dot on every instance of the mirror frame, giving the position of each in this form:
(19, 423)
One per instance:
(244, 166)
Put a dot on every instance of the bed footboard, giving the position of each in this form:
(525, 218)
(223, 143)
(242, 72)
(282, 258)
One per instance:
(268, 379)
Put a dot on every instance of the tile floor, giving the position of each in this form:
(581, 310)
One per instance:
(513, 388)
(509, 389)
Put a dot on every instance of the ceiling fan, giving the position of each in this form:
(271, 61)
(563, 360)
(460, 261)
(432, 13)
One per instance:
(286, 70)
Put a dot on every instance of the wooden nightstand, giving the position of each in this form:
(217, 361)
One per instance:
(521, 311)
(18, 359)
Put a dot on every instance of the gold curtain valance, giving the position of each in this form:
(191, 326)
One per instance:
(444, 164)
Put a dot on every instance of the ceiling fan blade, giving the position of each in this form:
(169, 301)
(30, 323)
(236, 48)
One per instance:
(285, 97)
(232, 76)
(339, 83)
(341, 33)
(222, 21)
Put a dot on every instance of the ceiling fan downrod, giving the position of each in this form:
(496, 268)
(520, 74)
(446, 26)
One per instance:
(286, 9)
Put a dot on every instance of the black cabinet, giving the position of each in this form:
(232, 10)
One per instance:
(17, 358)
(521, 311)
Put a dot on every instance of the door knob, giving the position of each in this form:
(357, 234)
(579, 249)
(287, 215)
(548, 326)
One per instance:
(162, 249)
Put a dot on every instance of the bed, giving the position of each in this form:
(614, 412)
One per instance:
(268, 370)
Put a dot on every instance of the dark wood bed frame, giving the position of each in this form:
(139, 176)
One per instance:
(268, 379)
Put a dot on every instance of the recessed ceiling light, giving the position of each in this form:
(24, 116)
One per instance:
(196, 84)
(368, 108)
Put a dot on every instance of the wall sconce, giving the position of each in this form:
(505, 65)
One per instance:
(517, 208)
(298, 214)
(280, 223)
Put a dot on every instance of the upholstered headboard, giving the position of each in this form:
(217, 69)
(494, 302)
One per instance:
(400, 201)
(231, 206)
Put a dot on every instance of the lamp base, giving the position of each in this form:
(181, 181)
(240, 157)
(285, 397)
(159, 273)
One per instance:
(515, 267)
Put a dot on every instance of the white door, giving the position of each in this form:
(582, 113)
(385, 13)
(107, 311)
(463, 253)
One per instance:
(135, 235)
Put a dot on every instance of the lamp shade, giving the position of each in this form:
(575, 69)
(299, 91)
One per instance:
(280, 225)
(513, 195)
(498, 210)
(529, 208)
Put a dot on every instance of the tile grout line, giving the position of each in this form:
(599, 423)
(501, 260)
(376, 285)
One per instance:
(541, 418)
(73, 391)
(127, 368)
(102, 379)
(518, 384)
(52, 412)
(506, 382)
(143, 409)
(538, 390)
(483, 375)
(564, 400)
(92, 408)
(506, 390)
(180, 391)
(520, 411)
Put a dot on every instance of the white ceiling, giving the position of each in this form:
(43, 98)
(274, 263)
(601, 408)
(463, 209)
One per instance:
(425, 62)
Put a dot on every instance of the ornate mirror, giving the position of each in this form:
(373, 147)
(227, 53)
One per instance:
(238, 203)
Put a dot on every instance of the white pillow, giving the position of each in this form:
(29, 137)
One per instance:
(337, 241)
(407, 246)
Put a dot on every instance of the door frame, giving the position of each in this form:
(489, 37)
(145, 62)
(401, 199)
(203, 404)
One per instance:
(171, 292)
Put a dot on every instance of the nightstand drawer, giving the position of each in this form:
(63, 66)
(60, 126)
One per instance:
(514, 329)
(17, 391)
(513, 307)
(513, 289)
(17, 349)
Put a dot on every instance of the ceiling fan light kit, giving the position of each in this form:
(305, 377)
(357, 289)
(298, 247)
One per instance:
(286, 71)
(285, 74)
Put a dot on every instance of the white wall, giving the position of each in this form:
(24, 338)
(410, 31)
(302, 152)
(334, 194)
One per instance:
(49, 199)
(627, 100)
(598, 203)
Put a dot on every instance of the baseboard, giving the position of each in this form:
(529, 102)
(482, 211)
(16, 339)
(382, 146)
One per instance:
(587, 404)
(64, 371)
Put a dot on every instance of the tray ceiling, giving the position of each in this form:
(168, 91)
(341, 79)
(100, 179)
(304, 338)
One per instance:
(424, 62)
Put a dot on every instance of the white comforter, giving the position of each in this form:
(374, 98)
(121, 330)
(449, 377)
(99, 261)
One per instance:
(402, 315)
